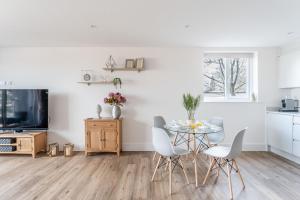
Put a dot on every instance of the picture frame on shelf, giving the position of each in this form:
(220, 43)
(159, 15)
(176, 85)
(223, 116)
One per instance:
(129, 63)
(140, 63)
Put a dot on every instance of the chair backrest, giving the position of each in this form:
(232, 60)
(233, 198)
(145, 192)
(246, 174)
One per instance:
(237, 145)
(159, 122)
(216, 121)
(161, 142)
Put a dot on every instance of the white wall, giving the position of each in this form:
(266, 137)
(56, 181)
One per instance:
(169, 73)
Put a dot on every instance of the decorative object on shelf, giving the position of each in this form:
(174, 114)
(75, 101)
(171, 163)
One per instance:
(129, 63)
(68, 149)
(139, 63)
(116, 100)
(191, 103)
(99, 110)
(110, 63)
(53, 150)
(87, 75)
(116, 82)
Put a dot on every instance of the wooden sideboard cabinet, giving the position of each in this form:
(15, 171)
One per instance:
(103, 135)
(25, 143)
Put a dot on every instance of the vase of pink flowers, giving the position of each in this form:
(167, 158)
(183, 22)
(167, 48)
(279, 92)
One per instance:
(116, 100)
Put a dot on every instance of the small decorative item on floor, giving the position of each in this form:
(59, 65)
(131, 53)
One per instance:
(68, 149)
(99, 110)
(116, 100)
(116, 82)
(191, 103)
(53, 150)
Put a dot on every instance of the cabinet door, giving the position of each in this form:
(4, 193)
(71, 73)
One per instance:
(24, 144)
(289, 70)
(94, 139)
(280, 131)
(110, 139)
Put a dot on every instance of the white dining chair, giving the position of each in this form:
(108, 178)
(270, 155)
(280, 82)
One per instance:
(218, 137)
(169, 154)
(159, 122)
(222, 156)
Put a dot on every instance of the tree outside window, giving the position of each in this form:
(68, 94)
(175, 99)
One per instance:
(227, 76)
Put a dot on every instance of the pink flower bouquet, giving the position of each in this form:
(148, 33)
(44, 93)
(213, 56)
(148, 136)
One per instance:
(115, 99)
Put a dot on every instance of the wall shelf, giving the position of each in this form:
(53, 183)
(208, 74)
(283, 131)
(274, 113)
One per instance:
(122, 69)
(95, 82)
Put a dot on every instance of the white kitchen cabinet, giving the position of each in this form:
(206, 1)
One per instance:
(289, 70)
(296, 136)
(280, 131)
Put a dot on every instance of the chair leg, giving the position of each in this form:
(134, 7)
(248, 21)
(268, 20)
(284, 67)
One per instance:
(170, 175)
(156, 168)
(238, 170)
(229, 180)
(183, 169)
(212, 164)
(154, 156)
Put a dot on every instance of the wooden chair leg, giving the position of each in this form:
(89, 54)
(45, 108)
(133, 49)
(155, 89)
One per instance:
(170, 176)
(229, 180)
(154, 156)
(156, 168)
(218, 171)
(175, 140)
(183, 169)
(238, 170)
(212, 164)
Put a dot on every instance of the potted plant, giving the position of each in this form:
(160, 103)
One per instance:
(191, 103)
(116, 82)
(116, 100)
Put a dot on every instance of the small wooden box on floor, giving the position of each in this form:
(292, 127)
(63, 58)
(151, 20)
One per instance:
(103, 135)
(26, 143)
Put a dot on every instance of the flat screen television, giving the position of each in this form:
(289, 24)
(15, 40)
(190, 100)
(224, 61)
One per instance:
(23, 109)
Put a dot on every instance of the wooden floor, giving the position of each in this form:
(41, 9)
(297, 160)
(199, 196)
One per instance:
(105, 176)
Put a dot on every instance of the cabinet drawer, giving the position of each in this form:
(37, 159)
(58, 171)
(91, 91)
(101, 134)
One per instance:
(101, 124)
(296, 120)
(296, 148)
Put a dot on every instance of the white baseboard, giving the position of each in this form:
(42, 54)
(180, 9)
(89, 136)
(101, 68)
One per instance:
(285, 154)
(149, 147)
(137, 147)
(252, 147)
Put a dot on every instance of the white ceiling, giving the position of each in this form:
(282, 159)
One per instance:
(148, 22)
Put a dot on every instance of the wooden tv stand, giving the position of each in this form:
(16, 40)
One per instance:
(26, 143)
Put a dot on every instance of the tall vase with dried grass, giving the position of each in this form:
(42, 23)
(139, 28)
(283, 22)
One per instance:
(191, 103)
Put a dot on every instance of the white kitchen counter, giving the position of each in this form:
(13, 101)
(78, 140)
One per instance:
(285, 113)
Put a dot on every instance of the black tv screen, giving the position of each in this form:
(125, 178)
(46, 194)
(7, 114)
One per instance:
(23, 109)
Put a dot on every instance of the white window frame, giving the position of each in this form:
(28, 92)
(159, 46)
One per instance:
(250, 77)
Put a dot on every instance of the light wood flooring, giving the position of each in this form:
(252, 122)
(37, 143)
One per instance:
(105, 176)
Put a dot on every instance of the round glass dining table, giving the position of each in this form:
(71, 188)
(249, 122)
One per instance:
(194, 135)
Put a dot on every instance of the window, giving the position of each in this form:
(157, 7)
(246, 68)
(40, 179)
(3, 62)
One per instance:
(227, 76)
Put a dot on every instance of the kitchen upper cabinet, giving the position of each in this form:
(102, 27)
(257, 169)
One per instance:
(280, 131)
(289, 70)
